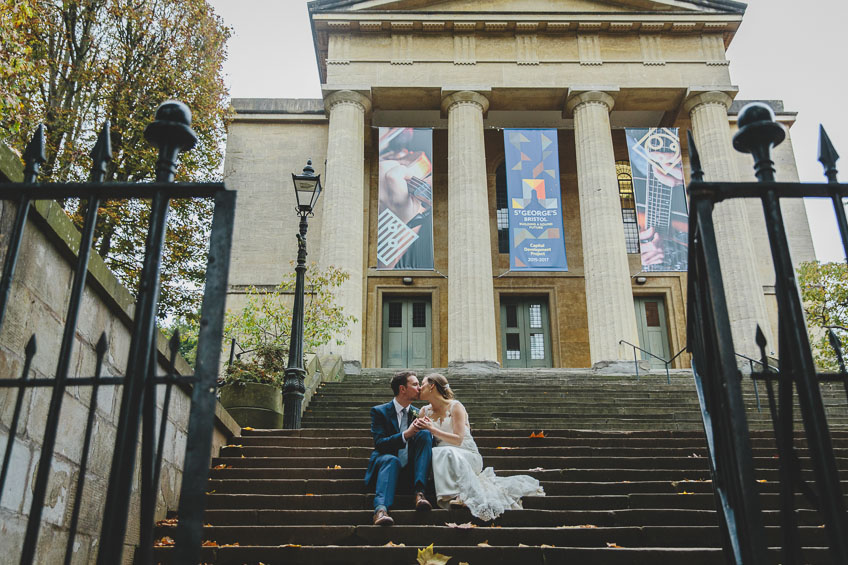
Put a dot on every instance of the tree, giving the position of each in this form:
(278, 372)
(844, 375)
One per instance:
(88, 61)
(262, 329)
(824, 290)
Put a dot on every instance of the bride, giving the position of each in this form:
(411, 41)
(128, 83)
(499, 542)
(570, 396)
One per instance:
(457, 464)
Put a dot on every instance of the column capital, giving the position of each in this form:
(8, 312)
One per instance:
(451, 98)
(576, 97)
(356, 97)
(698, 96)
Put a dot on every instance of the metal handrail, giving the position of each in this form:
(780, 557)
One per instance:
(665, 362)
(765, 366)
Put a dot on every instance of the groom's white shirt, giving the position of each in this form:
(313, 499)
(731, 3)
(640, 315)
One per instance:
(399, 416)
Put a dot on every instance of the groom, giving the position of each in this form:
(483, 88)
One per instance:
(401, 450)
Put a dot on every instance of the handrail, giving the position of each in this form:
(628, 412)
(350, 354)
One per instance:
(765, 366)
(665, 362)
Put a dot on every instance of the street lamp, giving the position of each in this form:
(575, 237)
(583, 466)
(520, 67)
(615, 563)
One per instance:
(307, 189)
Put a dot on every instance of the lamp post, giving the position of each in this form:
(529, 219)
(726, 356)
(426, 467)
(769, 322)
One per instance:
(307, 189)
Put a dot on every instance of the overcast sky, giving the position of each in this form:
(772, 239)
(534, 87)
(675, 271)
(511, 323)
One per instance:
(786, 49)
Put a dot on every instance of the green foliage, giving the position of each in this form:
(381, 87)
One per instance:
(824, 290)
(262, 328)
(72, 64)
(189, 327)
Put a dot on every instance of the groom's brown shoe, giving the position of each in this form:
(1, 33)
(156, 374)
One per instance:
(421, 502)
(382, 518)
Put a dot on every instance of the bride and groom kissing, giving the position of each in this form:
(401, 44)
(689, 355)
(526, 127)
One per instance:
(409, 444)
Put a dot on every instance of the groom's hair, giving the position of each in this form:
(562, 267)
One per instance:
(401, 378)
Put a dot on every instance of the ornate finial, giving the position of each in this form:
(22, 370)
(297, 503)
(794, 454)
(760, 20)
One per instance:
(694, 159)
(34, 155)
(308, 170)
(827, 156)
(760, 339)
(172, 127)
(101, 154)
(174, 343)
(758, 133)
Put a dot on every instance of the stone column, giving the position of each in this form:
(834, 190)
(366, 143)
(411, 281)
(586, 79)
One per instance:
(343, 233)
(742, 285)
(471, 302)
(609, 298)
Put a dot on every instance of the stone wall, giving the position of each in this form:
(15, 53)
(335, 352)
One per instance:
(39, 296)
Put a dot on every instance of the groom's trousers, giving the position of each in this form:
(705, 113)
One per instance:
(389, 470)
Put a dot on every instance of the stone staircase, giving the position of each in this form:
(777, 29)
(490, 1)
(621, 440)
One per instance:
(623, 463)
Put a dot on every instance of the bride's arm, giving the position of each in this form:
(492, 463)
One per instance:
(459, 417)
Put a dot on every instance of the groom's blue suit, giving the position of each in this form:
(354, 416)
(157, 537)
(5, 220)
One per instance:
(384, 467)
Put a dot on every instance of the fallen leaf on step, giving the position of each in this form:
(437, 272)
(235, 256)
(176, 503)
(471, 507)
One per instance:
(580, 526)
(223, 466)
(309, 494)
(168, 522)
(242, 455)
(247, 429)
(291, 545)
(465, 526)
(164, 542)
(233, 446)
(536, 469)
(695, 456)
(484, 544)
(209, 543)
(334, 467)
(522, 545)
(234, 544)
(428, 556)
(393, 544)
(613, 544)
(684, 492)
(762, 481)
(540, 434)
(546, 545)
(507, 448)
(210, 491)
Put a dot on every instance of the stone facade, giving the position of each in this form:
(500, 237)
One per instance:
(468, 68)
(39, 296)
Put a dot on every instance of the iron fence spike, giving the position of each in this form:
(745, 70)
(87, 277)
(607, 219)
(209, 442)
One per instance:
(758, 133)
(34, 155)
(101, 153)
(174, 343)
(102, 344)
(827, 155)
(694, 158)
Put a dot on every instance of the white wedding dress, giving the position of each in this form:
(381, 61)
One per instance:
(458, 473)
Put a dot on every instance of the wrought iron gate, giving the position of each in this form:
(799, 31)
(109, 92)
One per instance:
(171, 134)
(714, 365)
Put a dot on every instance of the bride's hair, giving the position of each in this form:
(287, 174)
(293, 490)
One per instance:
(441, 385)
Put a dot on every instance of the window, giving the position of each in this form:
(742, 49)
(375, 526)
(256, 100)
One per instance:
(628, 206)
(502, 206)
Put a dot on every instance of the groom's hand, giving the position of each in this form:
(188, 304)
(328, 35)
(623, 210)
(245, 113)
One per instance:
(410, 431)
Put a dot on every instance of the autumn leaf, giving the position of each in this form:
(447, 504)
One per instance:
(613, 544)
(164, 542)
(310, 494)
(210, 491)
(209, 543)
(522, 545)
(484, 544)
(223, 466)
(546, 545)
(233, 446)
(428, 556)
(334, 467)
(540, 434)
(393, 544)
(535, 469)
(291, 545)
(575, 527)
(465, 526)
(234, 544)
(247, 429)
(762, 481)
(684, 492)
(507, 448)
(168, 522)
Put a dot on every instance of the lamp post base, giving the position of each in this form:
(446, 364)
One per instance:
(293, 391)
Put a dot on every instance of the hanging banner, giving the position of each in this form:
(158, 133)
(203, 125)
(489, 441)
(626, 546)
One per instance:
(405, 213)
(661, 209)
(535, 215)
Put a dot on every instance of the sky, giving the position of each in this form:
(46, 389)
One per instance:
(789, 50)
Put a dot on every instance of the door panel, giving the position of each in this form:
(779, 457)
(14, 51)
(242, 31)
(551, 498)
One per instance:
(407, 332)
(525, 331)
(653, 332)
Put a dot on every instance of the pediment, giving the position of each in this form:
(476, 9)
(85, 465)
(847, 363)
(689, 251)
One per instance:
(529, 6)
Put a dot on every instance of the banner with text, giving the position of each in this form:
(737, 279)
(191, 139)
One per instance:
(535, 216)
(660, 195)
(405, 220)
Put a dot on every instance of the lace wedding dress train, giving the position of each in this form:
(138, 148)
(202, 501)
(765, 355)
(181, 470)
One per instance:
(458, 473)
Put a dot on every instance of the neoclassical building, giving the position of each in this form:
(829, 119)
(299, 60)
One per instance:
(469, 70)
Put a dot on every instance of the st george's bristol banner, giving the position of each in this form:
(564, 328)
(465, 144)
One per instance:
(662, 212)
(535, 214)
(405, 212)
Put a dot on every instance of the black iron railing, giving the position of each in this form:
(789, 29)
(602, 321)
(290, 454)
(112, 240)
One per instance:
(716, 373)
(666, 362)
(172, 134)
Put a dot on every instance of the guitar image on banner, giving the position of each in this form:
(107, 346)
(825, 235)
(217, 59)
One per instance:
(660, 194)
